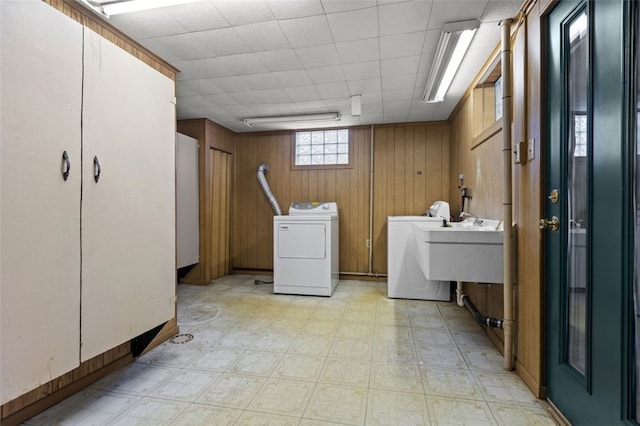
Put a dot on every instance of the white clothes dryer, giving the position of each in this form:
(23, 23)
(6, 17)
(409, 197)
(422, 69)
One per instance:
(305, 252)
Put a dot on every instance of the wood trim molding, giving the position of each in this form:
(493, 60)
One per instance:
(487, 134)
(28, 405)
(84, 16)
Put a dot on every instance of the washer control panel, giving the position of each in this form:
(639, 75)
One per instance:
(313, 207)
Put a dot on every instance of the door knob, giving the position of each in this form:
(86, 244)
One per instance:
(553, 223)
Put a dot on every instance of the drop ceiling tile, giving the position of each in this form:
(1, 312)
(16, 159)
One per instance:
(359, 50)
(333, 6)
(498, 10)
(426, 60)
(292, 78)
(372, 97)
(237, 110)
(359, 87)
(399, 66)
(260, 82)
(201, 86)
(244, 12)
(305, 32)
(399, 45)
(288, 9)
(302, 93)
(372, 108)
(404, 95)
(220, 99)
(183, 90)
(145, 24)
(198, 16)
(442, 13)
(406, 17)
(329, 74)
(280, 60)
(362, 70)
(230, 84)
(192, 101)
(263, 36)
(407, 81)
(243, 64)
(202, 68)
(318, 56)
(344, 28)
(333, 91)
(221, 42)
(157, 47)
(487, 36)
(261, 97)
(431, 41)
(181, 47)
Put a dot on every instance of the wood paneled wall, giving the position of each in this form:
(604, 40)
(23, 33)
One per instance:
(410, 171)
(253, 230)
(476, 151)
(210, 137)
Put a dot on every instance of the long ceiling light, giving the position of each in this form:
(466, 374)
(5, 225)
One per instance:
(452, 46)
(115, 7)
(303, 118)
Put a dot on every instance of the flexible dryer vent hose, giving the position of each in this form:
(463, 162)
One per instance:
(262, 169)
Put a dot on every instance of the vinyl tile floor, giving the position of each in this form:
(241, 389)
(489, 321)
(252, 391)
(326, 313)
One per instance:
(355, 358)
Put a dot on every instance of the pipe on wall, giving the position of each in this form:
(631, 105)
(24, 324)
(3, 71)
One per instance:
(262, 169)
(507, 243)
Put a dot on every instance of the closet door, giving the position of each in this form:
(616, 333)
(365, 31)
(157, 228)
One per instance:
(128, 197)
(40, 98)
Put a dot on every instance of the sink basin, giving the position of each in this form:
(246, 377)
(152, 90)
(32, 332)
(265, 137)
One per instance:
(463, 252)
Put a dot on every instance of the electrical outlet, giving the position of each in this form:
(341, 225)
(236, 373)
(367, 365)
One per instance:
(531, 149)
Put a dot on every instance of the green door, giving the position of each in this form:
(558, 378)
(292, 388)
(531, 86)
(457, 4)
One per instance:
(589, 257)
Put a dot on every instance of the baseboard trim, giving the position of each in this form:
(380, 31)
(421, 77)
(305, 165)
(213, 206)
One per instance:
(48, 401)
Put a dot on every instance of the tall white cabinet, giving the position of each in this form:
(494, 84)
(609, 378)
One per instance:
(84, 265)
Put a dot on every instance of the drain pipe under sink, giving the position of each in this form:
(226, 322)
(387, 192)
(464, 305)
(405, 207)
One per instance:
(507, 323)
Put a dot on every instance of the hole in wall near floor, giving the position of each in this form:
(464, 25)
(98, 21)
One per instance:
(179, 339)
(197, 314)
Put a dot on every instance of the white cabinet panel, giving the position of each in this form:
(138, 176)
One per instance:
(187, 202)
(128, 216)
(40, 87)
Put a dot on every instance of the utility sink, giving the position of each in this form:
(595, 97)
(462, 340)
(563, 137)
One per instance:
(467, 251)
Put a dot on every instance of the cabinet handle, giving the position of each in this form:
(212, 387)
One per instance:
(96, 169)
(66, 165)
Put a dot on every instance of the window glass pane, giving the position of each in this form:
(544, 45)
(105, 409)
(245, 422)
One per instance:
(303, 149)
(303, 138)
(330, 148)
(637, 214)
(577, 194)
(322, 147)
(497, 88)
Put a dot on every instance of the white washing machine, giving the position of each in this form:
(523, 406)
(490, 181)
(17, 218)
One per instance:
(405, 279)
(305, 252)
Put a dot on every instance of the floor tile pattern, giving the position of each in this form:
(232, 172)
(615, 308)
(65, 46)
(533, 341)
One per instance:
(356, 358)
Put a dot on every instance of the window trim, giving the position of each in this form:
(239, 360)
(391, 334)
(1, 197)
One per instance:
(349, 165)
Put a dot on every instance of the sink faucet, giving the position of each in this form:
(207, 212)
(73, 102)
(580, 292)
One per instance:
(477, 220)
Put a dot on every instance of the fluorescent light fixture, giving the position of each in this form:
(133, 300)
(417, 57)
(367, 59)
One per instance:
(115, 7)
(303, 118)
(452, 46)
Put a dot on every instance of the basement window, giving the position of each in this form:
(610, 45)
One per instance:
(322, 149)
